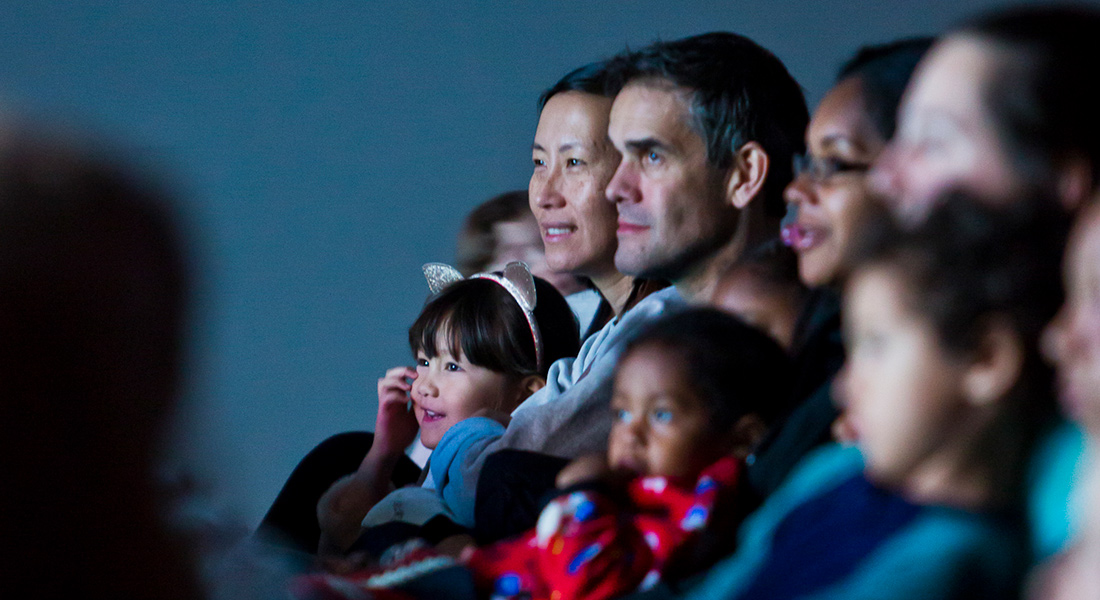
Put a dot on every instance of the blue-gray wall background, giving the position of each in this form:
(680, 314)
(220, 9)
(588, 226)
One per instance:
(325, 150)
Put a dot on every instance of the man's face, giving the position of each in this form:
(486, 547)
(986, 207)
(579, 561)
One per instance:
(672, 204)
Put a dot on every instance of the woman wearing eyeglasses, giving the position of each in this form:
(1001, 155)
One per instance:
(830, 202)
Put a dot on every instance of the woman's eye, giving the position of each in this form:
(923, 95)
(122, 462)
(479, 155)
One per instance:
(453, 367)
(622, 415)
(573, 162)
(662, 415)
(422, 362)
(538, 162)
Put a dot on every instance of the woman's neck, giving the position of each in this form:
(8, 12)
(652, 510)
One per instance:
(615, 288)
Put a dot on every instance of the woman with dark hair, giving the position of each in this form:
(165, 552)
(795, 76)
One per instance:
(829, 198)
(1001, 105)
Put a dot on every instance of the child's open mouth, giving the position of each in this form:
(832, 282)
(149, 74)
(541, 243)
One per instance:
(430, 416)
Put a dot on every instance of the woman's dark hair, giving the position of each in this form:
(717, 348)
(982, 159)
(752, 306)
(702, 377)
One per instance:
(884, 71)
(735, 368)
(481, 320)
(1039, 98)
(740, 92)
(590, 79)
(477, 243)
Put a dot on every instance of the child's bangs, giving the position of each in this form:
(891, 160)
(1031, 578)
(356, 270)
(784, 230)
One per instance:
(436, 327)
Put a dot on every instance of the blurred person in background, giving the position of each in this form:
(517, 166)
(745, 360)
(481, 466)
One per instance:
(1001, 107)
(93, 296)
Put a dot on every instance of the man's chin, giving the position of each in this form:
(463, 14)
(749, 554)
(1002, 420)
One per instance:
(635, 262)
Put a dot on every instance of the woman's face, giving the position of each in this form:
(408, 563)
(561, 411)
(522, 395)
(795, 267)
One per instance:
(831, 198)
(946, 136)
(1072, 340)
(573, 161)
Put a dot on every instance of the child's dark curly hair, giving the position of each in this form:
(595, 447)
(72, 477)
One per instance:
(736, 369)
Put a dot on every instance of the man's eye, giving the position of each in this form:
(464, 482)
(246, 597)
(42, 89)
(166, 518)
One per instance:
(573, 162)
(622, 415)
(538, 162)
(653, 158)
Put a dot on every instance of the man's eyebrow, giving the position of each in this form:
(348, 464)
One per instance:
(644, 145)
(537, 147)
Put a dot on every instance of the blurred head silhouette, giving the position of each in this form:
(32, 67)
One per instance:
(92, 296)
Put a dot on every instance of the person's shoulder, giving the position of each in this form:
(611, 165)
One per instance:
(823, 467)
(668, 296)
(946, 553)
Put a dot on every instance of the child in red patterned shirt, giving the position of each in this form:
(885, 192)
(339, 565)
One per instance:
(692, 395)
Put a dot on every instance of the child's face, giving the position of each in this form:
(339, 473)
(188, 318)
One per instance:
(902, 392)
(660, 426)
(448, 389)
(1073, 338)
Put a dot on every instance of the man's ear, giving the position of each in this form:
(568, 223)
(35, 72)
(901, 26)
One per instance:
(747, 433)
(996, 365)
(746, 177)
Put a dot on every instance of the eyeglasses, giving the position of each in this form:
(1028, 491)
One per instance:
(819, 169)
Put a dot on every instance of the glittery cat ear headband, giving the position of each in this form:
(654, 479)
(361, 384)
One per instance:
(517, 280)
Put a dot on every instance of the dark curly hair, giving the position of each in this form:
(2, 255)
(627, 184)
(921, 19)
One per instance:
(735, 368)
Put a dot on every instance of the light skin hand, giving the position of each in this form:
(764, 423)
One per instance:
(342, 508)
(584, 468)
(396, 426)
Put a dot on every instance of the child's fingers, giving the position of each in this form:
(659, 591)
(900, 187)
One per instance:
(396, 378)
(393, 399)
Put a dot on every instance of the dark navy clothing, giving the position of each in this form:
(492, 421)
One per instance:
(840, 528)
(829, 533)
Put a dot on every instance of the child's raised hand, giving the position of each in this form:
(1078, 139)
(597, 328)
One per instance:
(396, 426)
(583, 468)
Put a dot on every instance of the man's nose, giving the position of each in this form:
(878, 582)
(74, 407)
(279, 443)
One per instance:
(623, 186)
